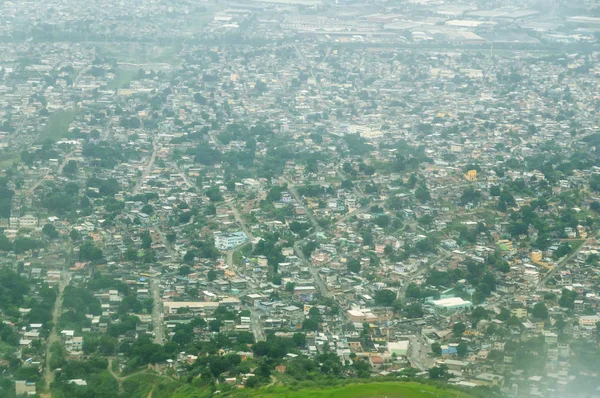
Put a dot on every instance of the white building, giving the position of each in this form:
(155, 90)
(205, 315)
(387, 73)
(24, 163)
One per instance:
(26, 221)
(229, 241)
(451, 303)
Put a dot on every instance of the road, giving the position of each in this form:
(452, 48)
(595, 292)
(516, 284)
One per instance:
(300, 202)
(357, 191)
(565, 260)
(80, 74)
(418, 353)
(157, 313)
(257, 330)
(241, 221)
(146, 172)
(308, 66)
(420, 272)
(58, 172)
(313, 270)
(65, 278)
(185, 178)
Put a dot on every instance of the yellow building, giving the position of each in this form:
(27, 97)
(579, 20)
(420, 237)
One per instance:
(471, 175)
(536, 256)
(488, 379)
(505, 244)
(519, 312)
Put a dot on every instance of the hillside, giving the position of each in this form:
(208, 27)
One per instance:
(163, 387)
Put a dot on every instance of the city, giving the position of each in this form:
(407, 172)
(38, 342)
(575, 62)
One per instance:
(272, 196)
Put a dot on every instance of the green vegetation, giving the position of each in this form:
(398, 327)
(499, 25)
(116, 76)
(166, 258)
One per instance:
(58, 125)
(7, 160)
(122, 79)
(140, 386)
(125, 53)
(385, 389)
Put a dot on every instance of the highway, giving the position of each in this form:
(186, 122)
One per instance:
(65, 279)
(418, 352)
(157, 313)
(420, 272)
(300, 202)
(58, 171)
(241, 221)
(564, 261)
(257, 330)
(146, 172)
(314, 272)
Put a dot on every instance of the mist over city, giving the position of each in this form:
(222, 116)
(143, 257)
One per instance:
(299, 198)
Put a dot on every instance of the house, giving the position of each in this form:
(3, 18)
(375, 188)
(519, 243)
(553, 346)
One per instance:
(588, 320)
(238, 283)
(400, 348)
(489, 379)
(376, 361)
(229, 241)
(293, 313)
(23, 387)
(451, 304)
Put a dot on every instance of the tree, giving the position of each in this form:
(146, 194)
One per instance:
(595, 182)
(299, 339)
(461, 349)
(50, 231)
(479, 313)
(200, 99)
(367, 238)
(5, 243)
(89, 252)
(297, 227)
(414, 310)
(422, 194)
(147, 209)
(470, 195)
(146, 240)
(563, 249)
(540, 311)
(310, 324)
(74, 235)
(212, 275)
(436, 349)
(252, 382)
(384, 297)
(382, 221)
(354, 265)
(214, 194)
(458, 329)
(438, 372)
(70, 168)
(171, 238)
(413, 291)
(567, 299)
(346, 184)
(388, 250)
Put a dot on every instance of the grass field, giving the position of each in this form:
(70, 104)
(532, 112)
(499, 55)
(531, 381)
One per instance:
(6, 160)
(368, 390)
(122, 78)
(139, 386)
(58, 125)
(140, 54)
